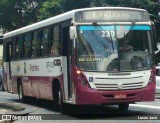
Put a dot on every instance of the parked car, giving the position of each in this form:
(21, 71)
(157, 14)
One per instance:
(1, 79)
(158, 79)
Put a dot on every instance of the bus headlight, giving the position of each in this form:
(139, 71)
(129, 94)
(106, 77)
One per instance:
(82, 79)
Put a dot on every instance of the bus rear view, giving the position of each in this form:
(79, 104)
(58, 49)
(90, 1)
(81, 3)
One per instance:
(114, 57)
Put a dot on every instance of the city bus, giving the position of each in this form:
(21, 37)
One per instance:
(90, 56)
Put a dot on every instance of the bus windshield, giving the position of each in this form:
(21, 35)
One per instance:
(114, 48)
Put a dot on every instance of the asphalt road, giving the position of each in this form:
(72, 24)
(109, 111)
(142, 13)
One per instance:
(141, 112)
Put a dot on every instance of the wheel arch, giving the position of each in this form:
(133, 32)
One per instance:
(18, 81)
(56, 84)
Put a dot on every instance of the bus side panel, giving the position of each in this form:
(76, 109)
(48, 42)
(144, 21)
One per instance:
(34, 80)
(14, 85)
(37, 76)
(44, 86)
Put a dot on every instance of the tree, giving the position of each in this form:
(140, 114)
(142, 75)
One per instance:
(50, 8)
(18, 13)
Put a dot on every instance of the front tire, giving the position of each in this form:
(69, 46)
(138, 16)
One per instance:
(21, 92)
(58, 100)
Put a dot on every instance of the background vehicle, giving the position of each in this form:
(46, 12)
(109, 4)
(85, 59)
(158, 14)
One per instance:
(1, 79)
(158, 79)
(87, 56)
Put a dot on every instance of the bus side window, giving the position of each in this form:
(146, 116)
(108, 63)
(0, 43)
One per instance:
(16, 48)
(34, 47)
(20, 46)
(27, 42)
(7, 50)
(11, 51)
(54, 49)
(44, 42)
(55, 42)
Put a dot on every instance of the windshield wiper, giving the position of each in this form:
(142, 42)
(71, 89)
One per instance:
(130, 32)
(109, 39)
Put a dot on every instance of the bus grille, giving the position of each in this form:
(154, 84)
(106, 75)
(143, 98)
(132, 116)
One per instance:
(115, 86)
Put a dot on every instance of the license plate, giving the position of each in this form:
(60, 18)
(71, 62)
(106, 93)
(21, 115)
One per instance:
(120, 96)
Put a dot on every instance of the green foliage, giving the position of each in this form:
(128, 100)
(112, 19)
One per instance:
(53, 7)
(18, 13)
(50, 8)
(145, 4)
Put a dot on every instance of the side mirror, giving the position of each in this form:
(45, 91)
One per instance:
(73, 32)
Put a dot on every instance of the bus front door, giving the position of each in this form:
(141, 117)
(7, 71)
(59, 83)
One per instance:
(67, 48)
(7, 66)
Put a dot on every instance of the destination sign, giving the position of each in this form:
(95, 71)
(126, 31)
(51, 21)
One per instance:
(111, 16)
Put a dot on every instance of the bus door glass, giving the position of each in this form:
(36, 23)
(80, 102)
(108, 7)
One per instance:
(9, 56)
(67, 51)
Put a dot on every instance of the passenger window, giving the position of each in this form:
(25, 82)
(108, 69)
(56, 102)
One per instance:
(16, 48)
(11, 51)
(27, 42)
(56, 42)
(44, 42)
(20, 46)
(35, 45)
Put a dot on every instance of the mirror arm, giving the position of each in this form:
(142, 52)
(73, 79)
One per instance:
(73, 32)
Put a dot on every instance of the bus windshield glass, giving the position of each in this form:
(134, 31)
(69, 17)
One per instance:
(114, 48)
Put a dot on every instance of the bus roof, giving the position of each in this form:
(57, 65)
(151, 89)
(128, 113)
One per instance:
(59, 18)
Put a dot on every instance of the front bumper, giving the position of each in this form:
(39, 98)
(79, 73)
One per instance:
(85, 96)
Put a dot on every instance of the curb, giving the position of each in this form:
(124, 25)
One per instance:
(14, 109)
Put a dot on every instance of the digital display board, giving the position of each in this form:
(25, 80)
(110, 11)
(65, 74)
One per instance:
(111, 16)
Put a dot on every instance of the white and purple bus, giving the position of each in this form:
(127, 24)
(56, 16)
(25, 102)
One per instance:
(101, 55)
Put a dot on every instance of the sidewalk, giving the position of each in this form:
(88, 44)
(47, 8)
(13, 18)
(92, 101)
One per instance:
(6, 109)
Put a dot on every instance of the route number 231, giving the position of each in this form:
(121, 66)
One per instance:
(107, 34)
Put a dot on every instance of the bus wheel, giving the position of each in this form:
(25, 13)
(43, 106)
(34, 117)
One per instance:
(20, 92)
(59, 105)
(62, 105)
(123, 106)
